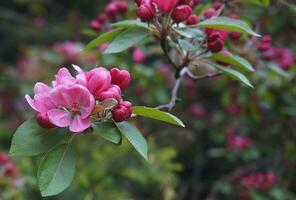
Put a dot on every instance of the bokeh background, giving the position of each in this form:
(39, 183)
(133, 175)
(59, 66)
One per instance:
(239, 143)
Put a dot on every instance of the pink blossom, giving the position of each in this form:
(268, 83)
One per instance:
(70, 50)
(139, 56)
(73, 106)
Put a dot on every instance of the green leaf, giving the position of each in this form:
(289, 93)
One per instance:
(235, 74)
(127, 39)
(233, 60)
(108, 131)
(134, 137)
(183, 33)
(187, 46)
(226, 23)
(30, 139)
(130, 23)
(56, 170)
(105, 37)
(157, 114)
(264, 3)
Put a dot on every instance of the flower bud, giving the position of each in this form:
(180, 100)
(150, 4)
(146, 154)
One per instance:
(102, 18)
(95, 25)
(181, 13)
(43, 120)
(139, 56)
(192, 19)
(209, 13)
(113, 92)
(122, 7)
(10, 169)
(217, 5)
(146, 11)
(235, 35)
(111, 10)
(166, 6)
(121, 78)
(98, 80)
(215, 42)
(122, 112)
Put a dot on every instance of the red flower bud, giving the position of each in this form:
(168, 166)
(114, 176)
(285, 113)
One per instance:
(235, 35)
(215, 42)
(192, 19)
(122, 7)
(122, 112)
(146, 11)
(95, 25)
(166, 6)
(10, 169)
(264, 46)
(217, 5)
(111, 10)
(43, 120)
(209, 13)
(102, 18)
(181, 13)
(121, 78)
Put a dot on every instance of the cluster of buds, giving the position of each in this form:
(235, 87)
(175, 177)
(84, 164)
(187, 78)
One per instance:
(236, 142)
(113, 10)
(178, 10)
(281, 56)
(77, 102)
(239, 143)
(7, 167)
(259, 181)
(216, 38)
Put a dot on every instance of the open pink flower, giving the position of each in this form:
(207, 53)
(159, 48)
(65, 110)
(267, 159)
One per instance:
(73, 106)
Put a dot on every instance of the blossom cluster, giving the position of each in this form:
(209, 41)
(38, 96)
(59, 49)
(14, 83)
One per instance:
(113, 10)
(178, 10)
(259, 181)
(281, 56)
(78, 101)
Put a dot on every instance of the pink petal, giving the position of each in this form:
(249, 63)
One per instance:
(78, 124)
(59, 117)
(64, 77)
(31, 102)
(57, 95)
(41, 88)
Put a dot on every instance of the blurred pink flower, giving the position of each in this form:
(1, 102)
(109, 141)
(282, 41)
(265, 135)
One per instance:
(139, 56)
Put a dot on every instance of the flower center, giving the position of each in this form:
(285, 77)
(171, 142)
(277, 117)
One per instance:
(74, 109)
